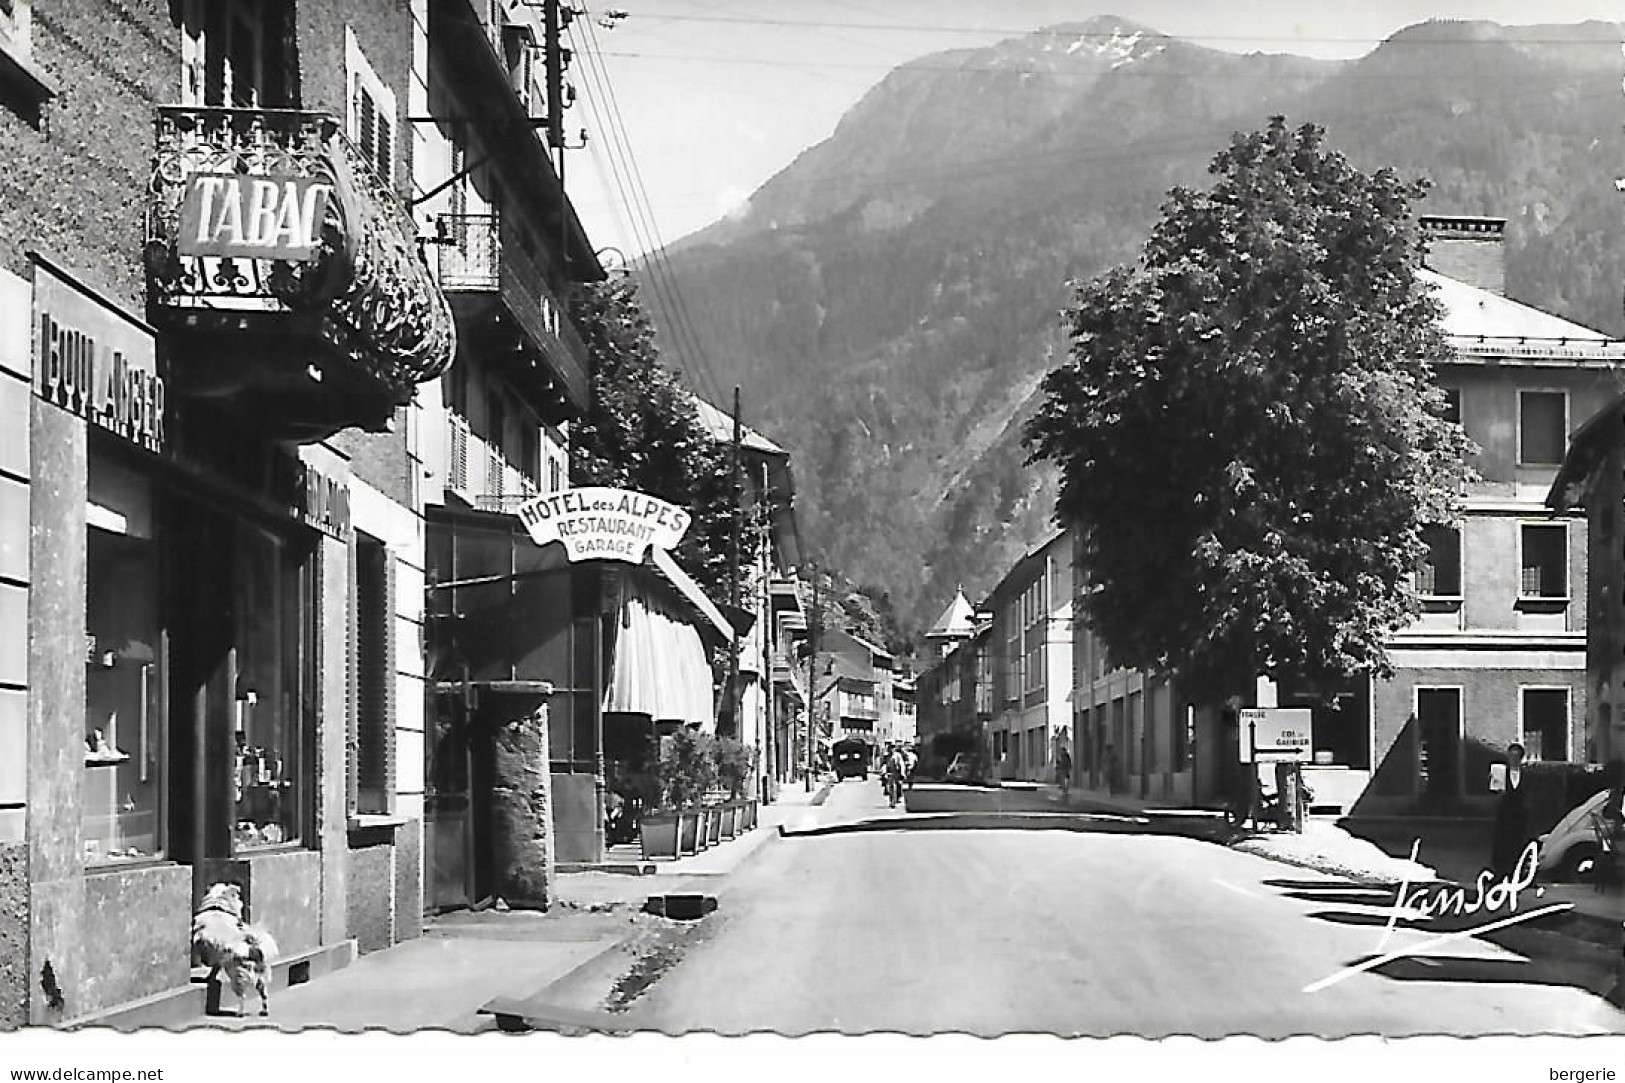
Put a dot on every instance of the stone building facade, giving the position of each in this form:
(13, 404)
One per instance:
(214, 320)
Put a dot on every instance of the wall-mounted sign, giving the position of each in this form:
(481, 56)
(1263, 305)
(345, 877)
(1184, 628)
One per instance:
(94, 361)
(270, 217)
(1275, 733)
(604, 524)
(324, 503)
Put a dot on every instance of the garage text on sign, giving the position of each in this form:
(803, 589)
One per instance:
(225, 214)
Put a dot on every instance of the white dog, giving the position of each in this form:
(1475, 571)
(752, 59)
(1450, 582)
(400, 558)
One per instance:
(223, 941)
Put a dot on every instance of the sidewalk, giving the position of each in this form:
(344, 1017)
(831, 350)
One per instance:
(465, 959)
(1447, 851)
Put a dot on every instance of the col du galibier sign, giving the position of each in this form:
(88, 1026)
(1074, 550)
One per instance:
(597, 523)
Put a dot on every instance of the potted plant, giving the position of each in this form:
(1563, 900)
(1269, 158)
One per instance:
(736, 767)
(686, 772)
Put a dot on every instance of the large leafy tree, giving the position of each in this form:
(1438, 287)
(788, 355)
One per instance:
(643, 432)
(1249, 434)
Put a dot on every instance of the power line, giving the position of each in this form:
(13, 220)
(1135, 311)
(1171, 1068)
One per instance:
(655, 257)
(636, 206)
(635, 202)
(659, 252)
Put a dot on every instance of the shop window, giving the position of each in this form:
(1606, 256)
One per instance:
(372, 715)
(125, 657)
(1544, 561)
(275, 677)
(1440, 573)
(1544, 723)
(1542, 427)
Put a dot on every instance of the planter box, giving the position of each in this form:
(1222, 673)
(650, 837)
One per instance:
(713, 825)
(658, 833)
(688, 832)
(730, 819)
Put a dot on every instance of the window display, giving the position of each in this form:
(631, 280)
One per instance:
(124, 672)
(268, 710)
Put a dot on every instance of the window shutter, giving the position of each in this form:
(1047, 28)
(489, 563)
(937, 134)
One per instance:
(352, 690)
(375, 668)
(388, 701)
(386, 146)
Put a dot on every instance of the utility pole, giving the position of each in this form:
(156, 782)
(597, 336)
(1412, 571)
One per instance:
(812, 678)
(764, 567)
(737, 492)
(556, 17)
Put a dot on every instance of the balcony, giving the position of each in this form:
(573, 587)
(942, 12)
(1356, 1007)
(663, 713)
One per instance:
(289, 271)
(479, 473)
(504, 306)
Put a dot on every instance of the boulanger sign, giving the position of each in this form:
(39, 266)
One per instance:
(597, 523)
(94, 361)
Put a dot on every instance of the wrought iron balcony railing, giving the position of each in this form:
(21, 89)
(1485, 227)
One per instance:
(477, 254)
(272, 218)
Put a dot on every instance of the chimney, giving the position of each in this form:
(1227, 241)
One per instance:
(1467, 248)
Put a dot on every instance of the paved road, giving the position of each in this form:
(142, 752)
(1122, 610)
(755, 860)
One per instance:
(891, 922)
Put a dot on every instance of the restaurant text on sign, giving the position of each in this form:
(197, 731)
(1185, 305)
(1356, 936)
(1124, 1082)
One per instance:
(599, 523)
(224, 214)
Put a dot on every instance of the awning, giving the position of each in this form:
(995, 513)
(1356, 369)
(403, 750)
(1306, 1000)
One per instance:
(661, 667)
(691, 592)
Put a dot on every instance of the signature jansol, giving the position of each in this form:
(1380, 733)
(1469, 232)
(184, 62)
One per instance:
(1487, 895)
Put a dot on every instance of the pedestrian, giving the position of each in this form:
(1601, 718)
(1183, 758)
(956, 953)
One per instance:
(1111, 769)
(1511, 818)
(1063, 771)
(893, 776)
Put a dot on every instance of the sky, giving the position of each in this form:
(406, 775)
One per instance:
(689, 105)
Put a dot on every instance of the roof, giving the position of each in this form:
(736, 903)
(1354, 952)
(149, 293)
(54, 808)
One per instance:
(1021, 571)
(721, 427)
(959, 619)
(1588, 448)
(1485, 324)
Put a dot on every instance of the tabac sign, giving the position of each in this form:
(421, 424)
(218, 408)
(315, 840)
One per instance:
(252, 217)
(598, 523)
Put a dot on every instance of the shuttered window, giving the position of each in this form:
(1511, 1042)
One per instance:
(372, 112)
(375, 132)
(373, 650)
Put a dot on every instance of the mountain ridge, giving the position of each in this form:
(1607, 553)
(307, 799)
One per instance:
(889, 301)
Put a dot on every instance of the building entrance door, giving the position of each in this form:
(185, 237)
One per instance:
(1438, 721)
(448, 813)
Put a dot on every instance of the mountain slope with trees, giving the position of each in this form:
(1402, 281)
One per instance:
(890, 301)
